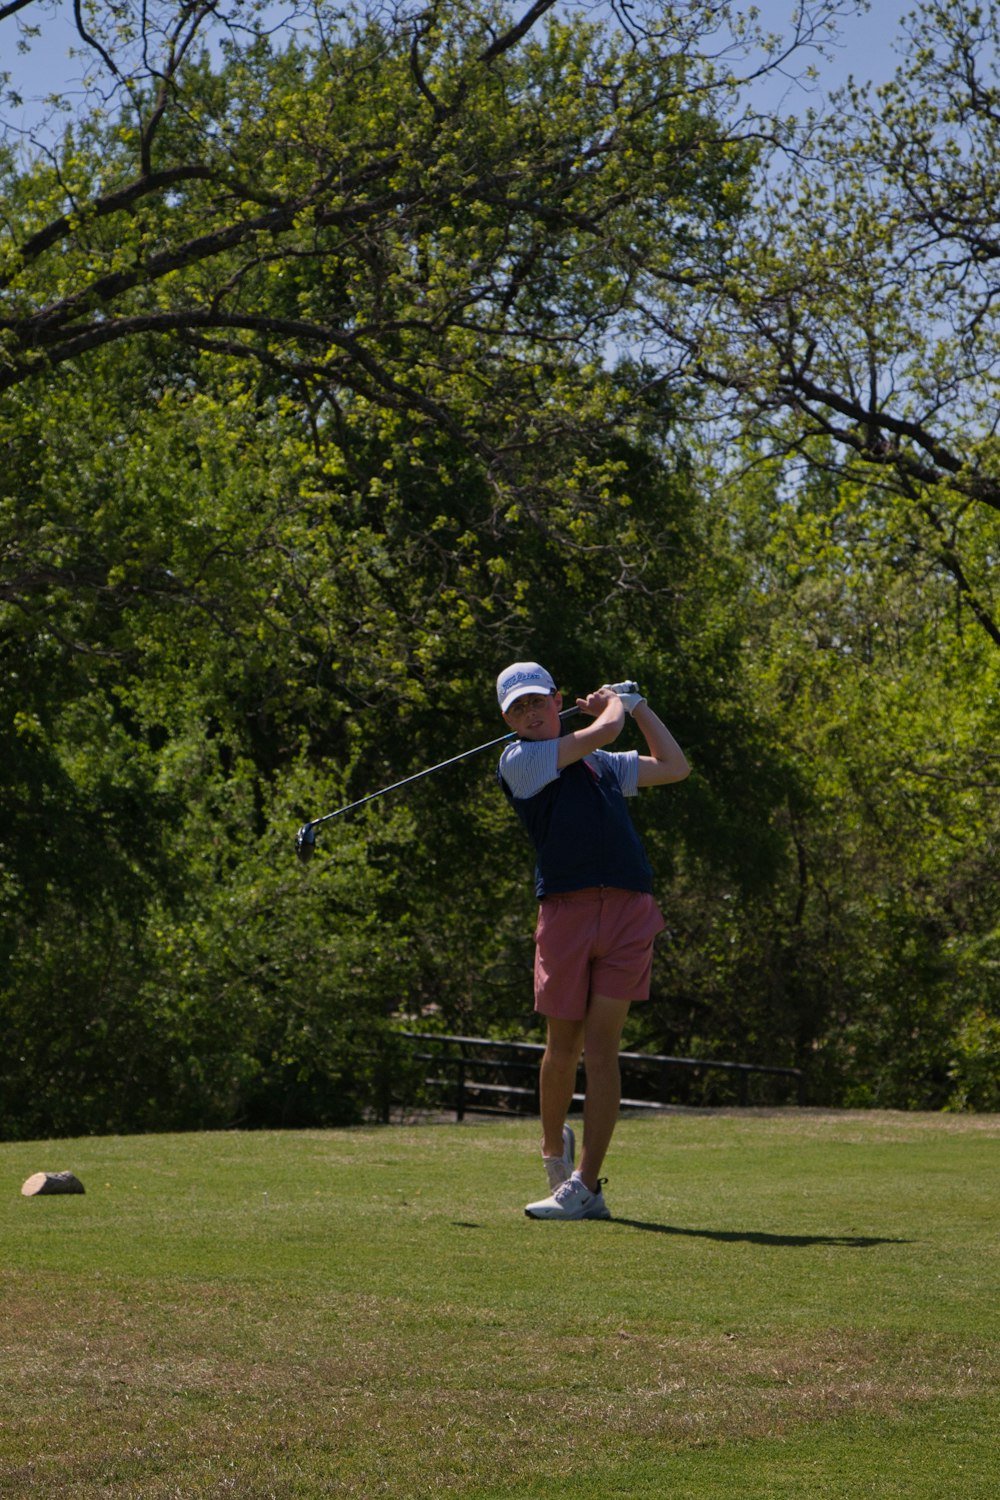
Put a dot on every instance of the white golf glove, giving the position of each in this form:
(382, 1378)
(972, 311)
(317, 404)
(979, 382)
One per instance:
(628, 692)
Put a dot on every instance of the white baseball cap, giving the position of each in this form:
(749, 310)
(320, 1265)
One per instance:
(519, 678)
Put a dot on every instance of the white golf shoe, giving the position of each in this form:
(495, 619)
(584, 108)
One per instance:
(572, 1199)
(558, 1168)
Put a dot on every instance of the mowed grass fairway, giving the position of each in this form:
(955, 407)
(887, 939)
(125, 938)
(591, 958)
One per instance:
(796, 1304)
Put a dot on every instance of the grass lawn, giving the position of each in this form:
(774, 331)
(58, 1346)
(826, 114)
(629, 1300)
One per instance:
(793, 1304)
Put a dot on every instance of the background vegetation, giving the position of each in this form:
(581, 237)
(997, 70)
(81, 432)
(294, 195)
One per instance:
(345, 356)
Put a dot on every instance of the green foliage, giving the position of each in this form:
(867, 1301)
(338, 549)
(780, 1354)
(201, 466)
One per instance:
(335, 372)
(875, 941)
(973, 1073)
(239, 590)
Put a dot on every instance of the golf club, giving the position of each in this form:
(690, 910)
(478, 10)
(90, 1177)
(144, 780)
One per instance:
(305, 838)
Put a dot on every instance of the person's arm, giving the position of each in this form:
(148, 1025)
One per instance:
(608, 713)
(666, 761)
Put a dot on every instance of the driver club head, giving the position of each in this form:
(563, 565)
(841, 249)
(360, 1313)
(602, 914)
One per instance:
(305, 842)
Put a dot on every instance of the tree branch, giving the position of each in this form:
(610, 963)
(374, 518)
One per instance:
(511, 38)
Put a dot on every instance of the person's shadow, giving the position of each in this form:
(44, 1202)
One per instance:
(737, 1236)
(759, 1237)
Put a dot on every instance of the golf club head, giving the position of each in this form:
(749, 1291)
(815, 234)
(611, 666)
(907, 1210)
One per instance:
(305, 842)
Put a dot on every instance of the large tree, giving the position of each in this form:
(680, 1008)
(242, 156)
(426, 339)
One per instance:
(363, 207)
(329, 382)
(852, 317)
(309, 423)
(873, 955)
(414, 221)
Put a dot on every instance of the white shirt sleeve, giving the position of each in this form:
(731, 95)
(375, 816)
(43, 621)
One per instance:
(625, 765)
(528, 765)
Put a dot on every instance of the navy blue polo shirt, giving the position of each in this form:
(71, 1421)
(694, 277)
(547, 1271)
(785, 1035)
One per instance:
(577, 818)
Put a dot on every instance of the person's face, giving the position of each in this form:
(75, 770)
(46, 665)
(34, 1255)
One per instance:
(535, 716)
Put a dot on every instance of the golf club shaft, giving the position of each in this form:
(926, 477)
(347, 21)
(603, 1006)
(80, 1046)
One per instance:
(465, 754)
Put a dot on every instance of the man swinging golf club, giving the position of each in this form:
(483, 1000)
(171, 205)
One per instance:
(597, 915)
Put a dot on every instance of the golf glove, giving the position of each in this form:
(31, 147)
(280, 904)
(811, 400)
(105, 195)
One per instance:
(628, 692)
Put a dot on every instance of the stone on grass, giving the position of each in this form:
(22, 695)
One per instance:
(51, 1182)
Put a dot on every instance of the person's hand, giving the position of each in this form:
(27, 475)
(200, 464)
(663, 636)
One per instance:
(628, 692)
(595, 703)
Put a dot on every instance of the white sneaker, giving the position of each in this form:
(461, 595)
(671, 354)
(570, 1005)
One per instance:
(558, 1168)
(572, 1199)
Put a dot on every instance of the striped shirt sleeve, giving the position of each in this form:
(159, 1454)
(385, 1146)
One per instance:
(528, 765)
(625, 765)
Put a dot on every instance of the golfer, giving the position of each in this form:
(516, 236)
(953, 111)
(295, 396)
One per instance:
(597, 915)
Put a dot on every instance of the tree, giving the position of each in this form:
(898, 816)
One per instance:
(321, 172)
(877, 948)
(325, 392)
(852, 318)
(414, 229)
(280, 500)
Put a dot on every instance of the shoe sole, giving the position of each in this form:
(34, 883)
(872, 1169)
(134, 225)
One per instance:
(567, 1218)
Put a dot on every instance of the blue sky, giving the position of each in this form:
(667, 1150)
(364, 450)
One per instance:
(864, 48)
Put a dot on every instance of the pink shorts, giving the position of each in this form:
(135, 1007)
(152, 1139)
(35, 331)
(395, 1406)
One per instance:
(593, 942)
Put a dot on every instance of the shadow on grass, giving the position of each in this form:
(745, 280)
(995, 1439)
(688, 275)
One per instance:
(737, 1236)
(758, 1237)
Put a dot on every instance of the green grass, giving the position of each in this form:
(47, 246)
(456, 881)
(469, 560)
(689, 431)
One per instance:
(795, 1304)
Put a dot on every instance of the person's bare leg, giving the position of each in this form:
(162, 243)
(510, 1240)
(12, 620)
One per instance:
(602, 1101)
(557, 1080)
